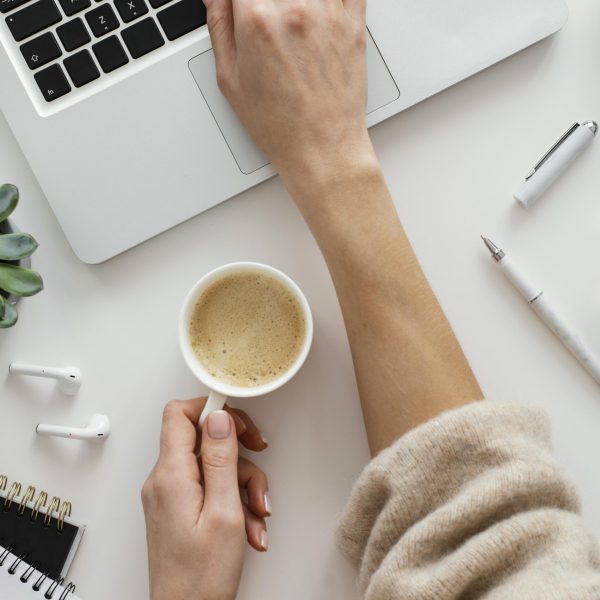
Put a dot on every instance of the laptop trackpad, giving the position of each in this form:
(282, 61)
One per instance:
(382, 91)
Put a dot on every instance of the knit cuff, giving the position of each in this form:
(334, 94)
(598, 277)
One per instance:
(432, 493)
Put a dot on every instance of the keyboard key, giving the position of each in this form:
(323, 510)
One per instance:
(40, 50)
(32, 19)
(102, 20)
(110, 54)
(52, 82)
(73, 34)
(131, 9)
(158, 3)
(183, 17)
(81, 68)
(74, 6)
(6, 5)
(143, 37)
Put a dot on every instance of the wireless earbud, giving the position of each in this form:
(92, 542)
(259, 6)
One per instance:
(97, 429)
(69, 378)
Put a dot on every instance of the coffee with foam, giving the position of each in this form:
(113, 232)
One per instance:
(247, 329)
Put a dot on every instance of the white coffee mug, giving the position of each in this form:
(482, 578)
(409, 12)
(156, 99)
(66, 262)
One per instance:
(219, 390)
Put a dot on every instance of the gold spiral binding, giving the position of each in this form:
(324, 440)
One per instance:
(65, 511)
(39, 503)
(54, 506)
(58, 510)
(27, 497)
(14, 491)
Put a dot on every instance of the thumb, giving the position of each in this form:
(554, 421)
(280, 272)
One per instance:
(219, 16)
(219, 454)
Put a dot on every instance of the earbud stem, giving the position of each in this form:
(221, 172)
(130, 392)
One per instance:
(68, 378)
(98, 429)
(36, 371)
(58, 431)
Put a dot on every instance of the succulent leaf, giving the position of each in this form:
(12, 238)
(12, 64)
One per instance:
(10, 316)
(9, 197)
(20, 281)
(15, 246)
(2, 304)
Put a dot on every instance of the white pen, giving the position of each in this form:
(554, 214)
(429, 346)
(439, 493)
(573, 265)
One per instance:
(556, 161)
(544, 309)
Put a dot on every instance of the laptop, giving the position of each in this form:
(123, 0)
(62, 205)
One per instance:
(115, 104)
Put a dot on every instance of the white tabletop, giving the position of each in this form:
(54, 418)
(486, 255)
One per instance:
(452, 164)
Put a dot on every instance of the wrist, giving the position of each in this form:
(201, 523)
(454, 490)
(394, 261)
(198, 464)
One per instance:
(172, 591)
(172, 579)
(318, 175)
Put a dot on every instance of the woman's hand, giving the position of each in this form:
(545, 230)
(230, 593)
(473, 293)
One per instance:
(196, 519)
(295, 73)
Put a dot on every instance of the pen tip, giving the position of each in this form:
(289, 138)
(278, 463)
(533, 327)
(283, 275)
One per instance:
(495, 251)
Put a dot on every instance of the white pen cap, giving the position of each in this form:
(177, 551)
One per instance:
(555, 162)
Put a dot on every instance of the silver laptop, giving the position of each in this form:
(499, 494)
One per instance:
(115, 104)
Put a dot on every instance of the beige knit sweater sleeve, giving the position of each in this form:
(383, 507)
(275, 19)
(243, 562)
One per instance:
(470, 505)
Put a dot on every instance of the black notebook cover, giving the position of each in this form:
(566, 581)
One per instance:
(39, 544)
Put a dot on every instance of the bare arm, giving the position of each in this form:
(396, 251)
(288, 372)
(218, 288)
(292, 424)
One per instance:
(295, 73)
(408, 363)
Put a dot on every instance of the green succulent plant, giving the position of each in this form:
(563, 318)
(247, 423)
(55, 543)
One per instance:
(14, 247)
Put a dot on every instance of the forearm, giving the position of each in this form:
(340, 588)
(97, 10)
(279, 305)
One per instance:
(408, 363)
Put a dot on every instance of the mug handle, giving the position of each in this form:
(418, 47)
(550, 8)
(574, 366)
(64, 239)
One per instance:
(215, 401)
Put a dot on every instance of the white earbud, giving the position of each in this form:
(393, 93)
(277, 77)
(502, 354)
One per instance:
(69, 378)
(97, 429)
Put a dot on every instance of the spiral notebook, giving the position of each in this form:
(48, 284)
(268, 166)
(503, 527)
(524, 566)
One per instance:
(21, 581)
(38, 534)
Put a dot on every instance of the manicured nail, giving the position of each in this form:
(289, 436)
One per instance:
(264, 440)
(264, 540)
(267, 500)
(219, 426)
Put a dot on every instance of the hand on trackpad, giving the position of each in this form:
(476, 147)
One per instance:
(382, 91)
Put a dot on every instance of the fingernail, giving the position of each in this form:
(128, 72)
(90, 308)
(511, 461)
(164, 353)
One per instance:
(219, 426)
(264, 440)
(264, 540)
(267, 500)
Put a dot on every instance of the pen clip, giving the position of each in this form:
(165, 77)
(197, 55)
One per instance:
(552, 150)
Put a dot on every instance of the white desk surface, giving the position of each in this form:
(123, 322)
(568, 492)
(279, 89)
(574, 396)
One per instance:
(452, 164)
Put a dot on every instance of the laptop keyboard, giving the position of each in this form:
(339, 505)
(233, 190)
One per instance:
(122, 30)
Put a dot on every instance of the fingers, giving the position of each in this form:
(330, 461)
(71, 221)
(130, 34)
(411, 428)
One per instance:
(219, 456)
(258, 505)
(219, 15)
(256, 531)
(252, 438)
(254, 481)
(178, 431)
(240, 426)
